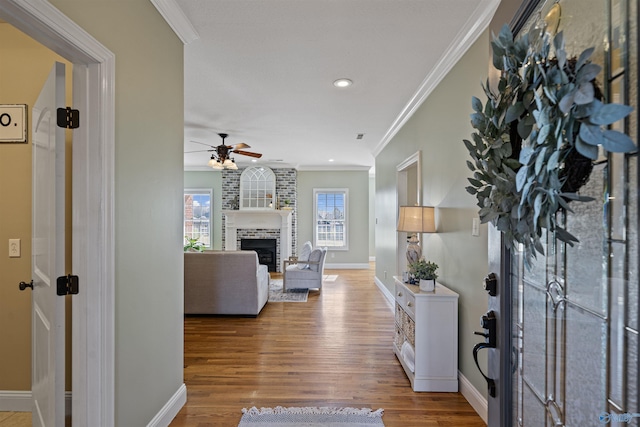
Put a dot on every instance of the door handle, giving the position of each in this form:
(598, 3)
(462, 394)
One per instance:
(491, 384)
(25, 285)
(488, 322)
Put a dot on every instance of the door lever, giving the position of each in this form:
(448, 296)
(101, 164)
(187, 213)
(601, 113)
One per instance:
(25, 285)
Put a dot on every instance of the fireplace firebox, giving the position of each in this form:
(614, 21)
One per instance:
(265, 248)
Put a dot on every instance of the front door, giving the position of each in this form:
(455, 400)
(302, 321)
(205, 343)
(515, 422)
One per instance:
(47, 263)
(573, 316)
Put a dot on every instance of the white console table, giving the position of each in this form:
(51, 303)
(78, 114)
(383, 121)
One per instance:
(426, 337)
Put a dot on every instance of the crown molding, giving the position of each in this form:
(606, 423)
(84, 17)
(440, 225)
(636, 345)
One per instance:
(177, 20)
(469, 33)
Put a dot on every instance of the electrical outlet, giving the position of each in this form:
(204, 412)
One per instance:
(14, 248)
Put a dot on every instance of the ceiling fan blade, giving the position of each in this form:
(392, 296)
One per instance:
(202, 143)
(248, 153)
(241, 145)
(197, 151)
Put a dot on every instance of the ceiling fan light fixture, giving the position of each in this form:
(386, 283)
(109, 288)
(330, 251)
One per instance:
(342, 83)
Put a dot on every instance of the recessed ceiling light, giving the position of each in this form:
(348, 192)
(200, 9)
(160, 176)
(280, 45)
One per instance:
(331, 160)
(254, 160)
(342, 83)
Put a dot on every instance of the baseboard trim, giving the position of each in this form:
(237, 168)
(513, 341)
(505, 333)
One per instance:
(20, 401)
(477, 401)
(347, 266)
(170, 409)
(15, 401)
(387, 293)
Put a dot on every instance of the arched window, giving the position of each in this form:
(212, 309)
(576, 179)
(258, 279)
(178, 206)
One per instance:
(257, 188)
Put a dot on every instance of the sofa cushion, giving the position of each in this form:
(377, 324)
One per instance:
(304, 254)
(315, 256)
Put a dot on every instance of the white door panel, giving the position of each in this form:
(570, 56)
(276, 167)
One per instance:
(47, 374)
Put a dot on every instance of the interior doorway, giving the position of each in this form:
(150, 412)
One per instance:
(93, 182)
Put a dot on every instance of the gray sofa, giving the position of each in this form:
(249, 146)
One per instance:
(224, 282)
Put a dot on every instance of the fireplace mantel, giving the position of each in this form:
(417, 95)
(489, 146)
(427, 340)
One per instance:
(259, 219)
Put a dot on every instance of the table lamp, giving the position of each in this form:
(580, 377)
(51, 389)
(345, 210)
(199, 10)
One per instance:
(413, 220)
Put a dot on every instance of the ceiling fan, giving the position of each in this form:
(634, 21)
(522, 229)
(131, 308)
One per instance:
(220, 155)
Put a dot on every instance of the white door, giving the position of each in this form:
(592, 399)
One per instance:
(47, 263)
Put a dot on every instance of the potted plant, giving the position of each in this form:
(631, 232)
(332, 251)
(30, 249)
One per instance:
(192, 245)
(287, 204)
(425, 272)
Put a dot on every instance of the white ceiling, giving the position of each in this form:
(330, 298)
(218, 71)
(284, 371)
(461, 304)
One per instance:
(263, 71)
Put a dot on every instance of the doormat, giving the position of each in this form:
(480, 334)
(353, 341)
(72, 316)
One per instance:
(311, 417)
(292, 295)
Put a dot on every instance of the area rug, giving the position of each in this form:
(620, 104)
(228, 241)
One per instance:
(329, 277)
(311, 417)
(292, 295)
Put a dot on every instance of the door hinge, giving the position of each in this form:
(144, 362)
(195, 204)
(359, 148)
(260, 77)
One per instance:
(68, 118)
(67, 285)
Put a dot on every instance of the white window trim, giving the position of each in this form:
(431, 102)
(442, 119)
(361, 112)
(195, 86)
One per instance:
(346, 219)
(200, 191)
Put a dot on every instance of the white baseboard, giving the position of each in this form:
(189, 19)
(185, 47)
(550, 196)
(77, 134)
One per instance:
(473, 396)
(387, 293)
(170, 409)
(347, 266)
(15, 401)
(20, 401)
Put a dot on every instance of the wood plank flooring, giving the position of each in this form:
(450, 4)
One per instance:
(15, 419)
(334, 350)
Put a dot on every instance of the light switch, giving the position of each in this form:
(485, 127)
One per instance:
(14, 248)
(475, 227)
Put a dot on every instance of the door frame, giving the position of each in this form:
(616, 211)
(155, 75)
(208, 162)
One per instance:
(93, 172)
(413, 162)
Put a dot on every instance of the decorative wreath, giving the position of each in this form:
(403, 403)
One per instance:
(536, 137)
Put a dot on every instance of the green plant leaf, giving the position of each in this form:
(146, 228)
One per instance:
(514, 112)
(588, 73)
(584, 94)
(566, 102)
(475, 182)
(589, 151)
(476, 104)
(590, 134)
(609, 113)
(478, 121)
(584, 56)
(540, 160)
(525, 155)
(552, 163)
(521, 178)
(471, 190)
(471, 166)
(617, 142)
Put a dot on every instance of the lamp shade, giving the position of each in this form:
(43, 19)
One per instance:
(417, 219)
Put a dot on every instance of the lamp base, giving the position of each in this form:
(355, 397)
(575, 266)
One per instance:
(414, 251)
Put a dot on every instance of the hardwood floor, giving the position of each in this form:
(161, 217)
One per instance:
(15, 419)
(334, 350)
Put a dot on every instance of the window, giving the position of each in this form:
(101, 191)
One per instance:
(330, 206)
(197, 215)
(257, 188)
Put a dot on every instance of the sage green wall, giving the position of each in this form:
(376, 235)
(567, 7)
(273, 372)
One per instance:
(437, 129)
(358, 184)
(148, 200)
(372, 216)
(210, 180)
